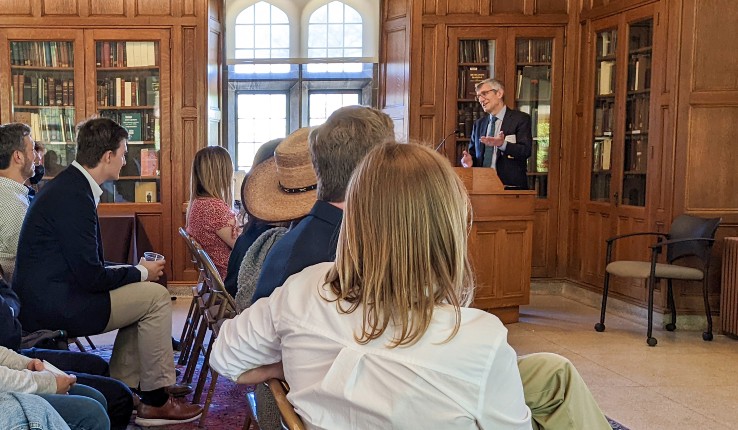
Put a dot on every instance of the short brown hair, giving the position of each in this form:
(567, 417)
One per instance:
(338, 145)
(402, 248)
(11, 140)
(95, 137)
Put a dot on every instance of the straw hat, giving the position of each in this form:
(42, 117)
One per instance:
(284, 187)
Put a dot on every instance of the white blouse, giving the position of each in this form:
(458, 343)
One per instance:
(469, 382)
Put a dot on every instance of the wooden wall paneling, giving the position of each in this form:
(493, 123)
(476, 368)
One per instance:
(151, 225)
(454, 7)
(430, 7)
(215, 10)
(427, 125)
(552, 6)
(189, 8)
(153, 8)
(16, 7)
(597, 228)
(541, 243)
(429, 56)
(394, 9)
(394, 73)
(507, 6)
(107, 7)
(189, 67)
(711, 156)
(573, 267)
(59, 7)
(6, 99)
(716, 21)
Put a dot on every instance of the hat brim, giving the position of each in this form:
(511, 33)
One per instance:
(266, 200)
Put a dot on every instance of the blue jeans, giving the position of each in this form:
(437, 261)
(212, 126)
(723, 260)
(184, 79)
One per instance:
(28, 412)
(84, 408)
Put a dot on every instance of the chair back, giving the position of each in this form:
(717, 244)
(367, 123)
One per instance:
(215, 284)
(688, 226)
(290, 419)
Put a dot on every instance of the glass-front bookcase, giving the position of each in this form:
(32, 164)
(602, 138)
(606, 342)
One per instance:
(533, 68)
(43, 97)
(476, 63)
(604, 115)
(128, 91)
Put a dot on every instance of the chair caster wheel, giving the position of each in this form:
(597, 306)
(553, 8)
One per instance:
(671, 327)
(600, 327)
(651, 341)
(707, 336)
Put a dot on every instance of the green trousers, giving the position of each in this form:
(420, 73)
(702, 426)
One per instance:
(557, 396)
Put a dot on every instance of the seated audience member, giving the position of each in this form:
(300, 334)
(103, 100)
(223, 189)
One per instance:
(210, 217)
(336, 148)
(80, 406)
(389, 309)
(89, 369)
(79, 293)
(28, 411)
(254, 226)
(17, 161)
(264, 196)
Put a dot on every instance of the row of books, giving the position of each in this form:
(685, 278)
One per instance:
(141, 126)
(468, 113)
(34, 90)
(468, 78)
(126, 54)
(532, 88)
(639, 72)
(636, 151)
(606, 82)
(49, 125)
(636, 112)
(474, 51)
(42, 54)
(601, 153)
(128, 92)
(534, 50)
(607, 42)
(604, 119)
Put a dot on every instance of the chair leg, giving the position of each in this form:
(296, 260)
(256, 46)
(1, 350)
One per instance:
(79, 345)
(209, 397)
(188, 334)
(708, 334)
(92, 345)
(600, 326)
(650, 339)
(196, 348)
(247, 421)
(187, 325)
(204, 370)
(670, 297)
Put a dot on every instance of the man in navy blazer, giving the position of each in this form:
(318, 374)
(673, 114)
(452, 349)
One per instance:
(502, 139)
(64, 282)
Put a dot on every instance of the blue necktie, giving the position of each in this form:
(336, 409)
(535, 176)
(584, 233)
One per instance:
(489, 150)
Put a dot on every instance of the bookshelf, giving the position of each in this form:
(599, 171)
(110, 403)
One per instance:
(476, 62)
(128, 91)
(533, 73)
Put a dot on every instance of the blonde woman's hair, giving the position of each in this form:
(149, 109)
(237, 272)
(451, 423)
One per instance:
(212, 175)
(402, 248)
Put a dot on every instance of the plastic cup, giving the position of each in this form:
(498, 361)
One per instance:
(152, 256)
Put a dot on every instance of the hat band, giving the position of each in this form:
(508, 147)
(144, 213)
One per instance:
(297, 190)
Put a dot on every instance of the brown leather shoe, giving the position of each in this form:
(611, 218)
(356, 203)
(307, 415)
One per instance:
(173, 412)
(179, 390)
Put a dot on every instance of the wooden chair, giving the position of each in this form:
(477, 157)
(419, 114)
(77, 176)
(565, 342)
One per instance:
(222, 308)
(689, 236)
(199, 290)
(290, 419)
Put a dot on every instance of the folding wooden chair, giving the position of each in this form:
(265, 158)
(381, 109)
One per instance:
(290, 419)
(199, 295)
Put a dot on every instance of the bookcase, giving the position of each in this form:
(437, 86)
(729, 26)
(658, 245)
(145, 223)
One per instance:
(620, 147)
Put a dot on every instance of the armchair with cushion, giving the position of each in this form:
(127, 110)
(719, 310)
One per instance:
(689, 236)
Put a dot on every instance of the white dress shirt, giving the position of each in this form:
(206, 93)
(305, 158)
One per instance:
(469, 382)
(13, 208)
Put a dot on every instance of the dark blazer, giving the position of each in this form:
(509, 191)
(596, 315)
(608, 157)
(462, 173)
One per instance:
(60, 274)
(511, 164)
(247, 238)
(10, 328)
(312, 241)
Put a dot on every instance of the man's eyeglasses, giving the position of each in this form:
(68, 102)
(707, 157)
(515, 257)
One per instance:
(484, 94)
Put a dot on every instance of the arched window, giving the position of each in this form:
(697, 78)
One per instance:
(335, 30)
(262, 31)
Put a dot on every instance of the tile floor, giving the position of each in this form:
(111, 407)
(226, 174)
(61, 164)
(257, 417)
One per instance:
(683, 382)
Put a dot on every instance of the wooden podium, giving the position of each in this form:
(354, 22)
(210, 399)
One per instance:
(500, 243)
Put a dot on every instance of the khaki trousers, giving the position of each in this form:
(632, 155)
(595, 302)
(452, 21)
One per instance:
(142, 353)
(557, 396)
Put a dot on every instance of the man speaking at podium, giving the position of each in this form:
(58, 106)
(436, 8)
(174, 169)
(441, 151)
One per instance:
(501, 140)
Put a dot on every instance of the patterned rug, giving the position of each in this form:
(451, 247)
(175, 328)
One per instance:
(228, 407)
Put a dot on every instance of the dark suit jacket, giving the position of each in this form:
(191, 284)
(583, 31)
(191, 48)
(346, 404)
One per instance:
(312, 241)
(511, 164)
(10, 328)
(60, 274)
